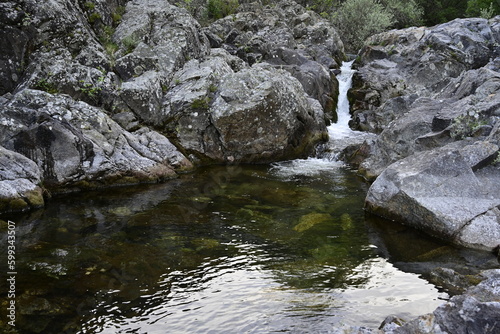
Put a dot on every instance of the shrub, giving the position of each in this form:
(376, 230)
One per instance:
(217, 9)
(483, 8)
(130, 43)
(405, 13)
(356, 20)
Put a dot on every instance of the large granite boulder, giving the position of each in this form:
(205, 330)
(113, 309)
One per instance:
(70, 145)
(450, 192)
(475, 312)
(432, 96)
(420, 61)
(20, 180)
(290, 37)
(258, 114)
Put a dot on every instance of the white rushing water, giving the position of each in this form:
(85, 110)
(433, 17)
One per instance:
(339, 133)
(341, 129)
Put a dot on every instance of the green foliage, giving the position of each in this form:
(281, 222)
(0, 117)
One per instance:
(89, 5)
(405, 13)
(322, 6)
(200, 104)
(483, 8)
(440, 11)
(27, 19)
(94, 17)
(356, 20)
(466, 125)
(212, 88)
(89, 89)
(217, 9)
(46, 86)
(130, 43)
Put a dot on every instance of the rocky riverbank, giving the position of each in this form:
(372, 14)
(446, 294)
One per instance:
(432, 95)
(121, 92)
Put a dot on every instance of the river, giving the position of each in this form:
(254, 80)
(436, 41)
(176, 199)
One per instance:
(227, 249)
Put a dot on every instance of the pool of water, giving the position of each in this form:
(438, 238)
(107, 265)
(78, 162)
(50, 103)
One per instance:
(227, 249)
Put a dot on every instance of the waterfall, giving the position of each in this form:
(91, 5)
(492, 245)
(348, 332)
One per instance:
(340, 136)
(341, 129)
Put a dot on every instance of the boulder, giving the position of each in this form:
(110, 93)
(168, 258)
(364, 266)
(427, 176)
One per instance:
(468, 106)
(419, 61)
(445, 193)
(475, 312)
(258, 114)
(20, 180)
(76, 146)
(289, 37)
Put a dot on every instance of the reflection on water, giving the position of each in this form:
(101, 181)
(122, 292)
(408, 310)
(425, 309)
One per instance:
(237, 249)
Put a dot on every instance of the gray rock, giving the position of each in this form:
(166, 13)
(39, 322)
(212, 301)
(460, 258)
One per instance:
(439, 192)
(156, 36)
(258, 114)
(20, 180)
(475, 312)
(289, 37)
(263, 114)
(76, 145)
(421, 61)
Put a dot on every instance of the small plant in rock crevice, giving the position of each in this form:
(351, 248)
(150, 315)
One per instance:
(46, 86)
(465, 125)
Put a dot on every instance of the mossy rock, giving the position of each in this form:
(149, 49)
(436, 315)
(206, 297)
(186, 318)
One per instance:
(18, 204)
(121, 211)
(35, 198)
(308, 221)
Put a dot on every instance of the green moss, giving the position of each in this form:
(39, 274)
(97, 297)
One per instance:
(35, 198)
(18, 204)
(94, 17)
(117, 18)
(205, 243)
(130, 43)
(201, 103)
(89, 5)
(45, 85)
(212, 88)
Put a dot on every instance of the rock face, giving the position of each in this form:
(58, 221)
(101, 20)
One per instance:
(119, 92)
(432, 95)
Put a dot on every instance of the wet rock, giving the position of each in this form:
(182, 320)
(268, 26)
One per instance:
(20, 180)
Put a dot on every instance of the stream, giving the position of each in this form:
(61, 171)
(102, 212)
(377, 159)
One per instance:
(283, 248)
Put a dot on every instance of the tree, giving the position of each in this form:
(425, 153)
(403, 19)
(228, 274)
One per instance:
(483, 8)
(405, 13)
(356, 20)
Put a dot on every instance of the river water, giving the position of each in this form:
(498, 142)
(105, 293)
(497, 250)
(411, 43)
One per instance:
(226, 249)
